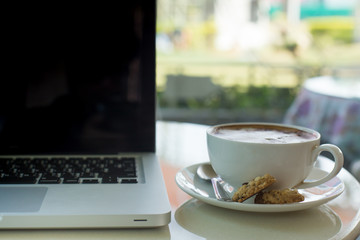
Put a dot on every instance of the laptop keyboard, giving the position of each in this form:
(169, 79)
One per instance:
(90, 170)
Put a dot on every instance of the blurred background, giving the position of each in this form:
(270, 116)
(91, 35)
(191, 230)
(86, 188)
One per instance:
(228, 61)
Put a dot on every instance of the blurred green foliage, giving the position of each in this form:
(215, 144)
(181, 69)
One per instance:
(237, 97)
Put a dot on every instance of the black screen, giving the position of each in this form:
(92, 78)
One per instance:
(78, 79)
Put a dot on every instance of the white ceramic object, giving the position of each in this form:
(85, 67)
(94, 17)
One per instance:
(190, 183)
(238, 162)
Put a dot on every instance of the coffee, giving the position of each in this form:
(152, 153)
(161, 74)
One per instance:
(263, 134)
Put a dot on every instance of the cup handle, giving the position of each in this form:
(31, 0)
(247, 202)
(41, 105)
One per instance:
(339, 162)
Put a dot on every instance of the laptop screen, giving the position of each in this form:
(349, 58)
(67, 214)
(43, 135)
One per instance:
(78, 80)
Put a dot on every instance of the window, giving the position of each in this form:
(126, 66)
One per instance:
(228, 60)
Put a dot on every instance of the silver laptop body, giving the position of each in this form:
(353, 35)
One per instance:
(77, 118)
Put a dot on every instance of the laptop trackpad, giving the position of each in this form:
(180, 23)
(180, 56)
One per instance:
(21, 199)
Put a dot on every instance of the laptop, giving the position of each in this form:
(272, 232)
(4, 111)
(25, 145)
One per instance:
(77, 118)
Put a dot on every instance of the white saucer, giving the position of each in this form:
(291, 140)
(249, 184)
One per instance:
(190, 183)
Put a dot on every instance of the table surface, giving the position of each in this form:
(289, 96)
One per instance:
(180, 145)
(342, 88)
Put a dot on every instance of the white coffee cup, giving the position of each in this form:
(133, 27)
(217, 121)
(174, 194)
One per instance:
(239, 152)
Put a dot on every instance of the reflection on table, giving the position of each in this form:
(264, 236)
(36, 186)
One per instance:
(332, 107)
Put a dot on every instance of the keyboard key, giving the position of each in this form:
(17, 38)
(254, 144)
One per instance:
(92, 181)
(71, 180)
(109, 179)
(49, 180)
(67, 175)
(129, 181)
(17, 180)
(33, 175)
(87, 174)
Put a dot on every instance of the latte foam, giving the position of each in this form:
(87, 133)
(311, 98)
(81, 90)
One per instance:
(263, 134)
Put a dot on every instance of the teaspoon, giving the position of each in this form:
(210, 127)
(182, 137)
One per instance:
(207, 173)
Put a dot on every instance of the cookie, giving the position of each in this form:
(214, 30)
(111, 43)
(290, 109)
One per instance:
(279, 197)
(253, 187)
